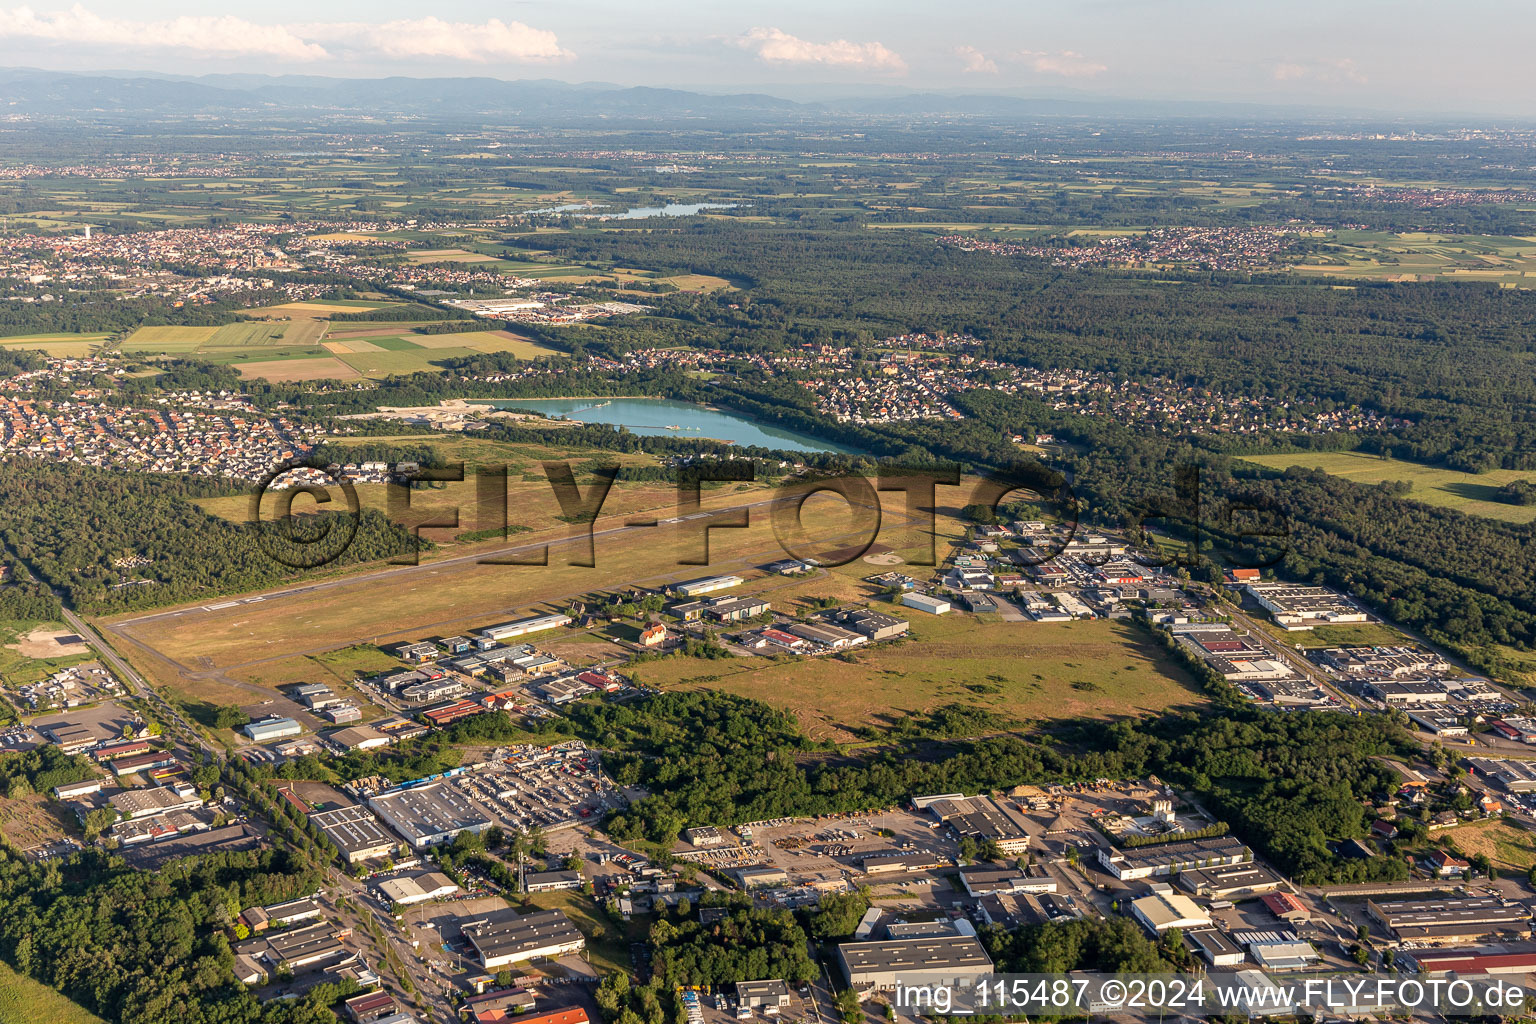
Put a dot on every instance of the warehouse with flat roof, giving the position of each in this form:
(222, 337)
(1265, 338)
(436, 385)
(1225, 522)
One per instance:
(1450, 920)
(880, 965)
(505, 936)
(356, 833)
(429, 815)
(522, 627)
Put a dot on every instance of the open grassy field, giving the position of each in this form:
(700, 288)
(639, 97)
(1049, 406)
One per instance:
(1472, 493)
(61, 346)
(231, 644)
(24, 1001)
(1508, 846)
(1019, 670)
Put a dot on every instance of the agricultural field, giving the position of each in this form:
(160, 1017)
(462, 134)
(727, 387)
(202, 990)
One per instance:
(1472, 493)
(61, 346)
(1426, 256)
(24, 1001)
(1020, 671)
(302, 344)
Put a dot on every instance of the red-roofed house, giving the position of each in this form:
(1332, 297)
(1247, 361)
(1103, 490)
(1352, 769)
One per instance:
(1444, 865)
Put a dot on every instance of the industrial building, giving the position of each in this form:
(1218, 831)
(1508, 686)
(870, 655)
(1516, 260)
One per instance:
(1230, 881)
(1514, 776)
(735, 609)
(880, 965)
(505, 936)
(1450, 920)
(356, 833)
(886, 862)
(408, 890)
(1216, 948)
(987, 880)
(1463, 962)
(1168, 858)
(551, 881)
(707, 585)
(522, 627)
(924, 603)
(274, 728)
(428, 815)
(359, 737)
(872, 624)
(981, 819)
(1296, 607)
(143, 803)
(1162, 911)
(762, 995)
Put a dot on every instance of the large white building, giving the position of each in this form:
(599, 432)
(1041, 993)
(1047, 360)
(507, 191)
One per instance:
(429, 815)
(522, 627)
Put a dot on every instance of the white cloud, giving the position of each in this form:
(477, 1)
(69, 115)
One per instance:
(432, 37)
(215, 36)
(1067, 63)
(974, 62)
(774, 46)
(228, 36)
(1328, 71)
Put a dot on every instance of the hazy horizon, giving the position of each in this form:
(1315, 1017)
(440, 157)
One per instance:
(1401, 57)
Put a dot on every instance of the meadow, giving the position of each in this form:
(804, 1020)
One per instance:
(1020, 671)
(24, 1001)
(1472, 493)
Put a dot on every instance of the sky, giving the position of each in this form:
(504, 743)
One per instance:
(1406, 56)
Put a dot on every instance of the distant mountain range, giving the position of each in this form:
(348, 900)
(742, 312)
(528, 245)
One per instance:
(116, 94)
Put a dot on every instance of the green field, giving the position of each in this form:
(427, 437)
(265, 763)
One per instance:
(24, 1001)
(1472, 493)
(1017, 670)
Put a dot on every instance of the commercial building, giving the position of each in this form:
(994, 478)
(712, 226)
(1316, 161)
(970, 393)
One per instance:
(341, 714)
(762, 995)
(979, 818)
(1168, 858)
(522, 627)
(987, 880)
(144, 803)
(498, 1005)
(888, 862)
(707, 585)
(1287, 907)
(833, 638)
(1230, 881)
(297, 949)
(735, 609)
(428, 815)
(924, 603)
(880, 965)
(872, 624)
(71, 790)
(760, 877)
(1451, 919)
(1296, 607)
(143, 763)
(359, 737)
(505, 937)
(356, 833)
(1216, 948)
(274, 728)
(1290, 955)
(115, 750)
(369, 1006)
(704, 836)
(1162, 911)
(551, 881)
(1408, 694)
(291, 912)
(420, 887)
(1514, 776)
(1463, 962)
